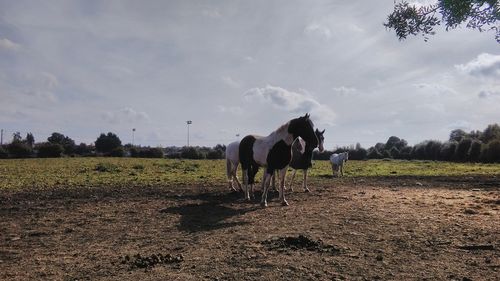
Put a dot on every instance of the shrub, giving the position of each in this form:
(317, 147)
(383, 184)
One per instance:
(19, 150)
(447, 152)
(117, 152)
(462, 150)
(107, 167)
(475, 150)
(47, 150)
(4, 154)
(191, 153)
(373, 153)
(491, 152)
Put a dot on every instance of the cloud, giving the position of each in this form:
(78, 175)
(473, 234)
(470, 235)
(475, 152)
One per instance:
(460, 124)
(125, 115)
(436, 89)
(291, 101)
(484, 65)
(344, 91)
(488, 93)
(230, 109)
(319, 30)
(230, 82)
(8, 45)
(211, 13)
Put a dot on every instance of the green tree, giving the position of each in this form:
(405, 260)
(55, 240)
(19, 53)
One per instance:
(107, 143)
(408, 19)
(67, 143)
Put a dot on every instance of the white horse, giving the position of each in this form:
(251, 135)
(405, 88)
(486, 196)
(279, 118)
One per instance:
(232, 162)
(302, 156)
(338, 160)
(273, 152)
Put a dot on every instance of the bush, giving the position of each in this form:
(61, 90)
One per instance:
(3, 153)
(83, 149)
(117, 152)
(146, 152)
(191, 153)
(373, 153)
(447, 152)
(19, 150)
(475, 150)
(462, 150)
(47, 150)
(491, 152)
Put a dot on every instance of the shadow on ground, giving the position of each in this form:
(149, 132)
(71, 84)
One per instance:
(211, 213)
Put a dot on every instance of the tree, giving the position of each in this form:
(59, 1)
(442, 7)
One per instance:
(490, 133)
(49, 150)
(16, 137)
(475, 150)
(408, 19)
(457, 135)
(462, 150)
(107, 143)
(30, 139)
(67, 143)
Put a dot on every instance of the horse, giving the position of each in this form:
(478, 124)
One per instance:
(273, 152)
(232, 162)
(337, 161)
(302, 156)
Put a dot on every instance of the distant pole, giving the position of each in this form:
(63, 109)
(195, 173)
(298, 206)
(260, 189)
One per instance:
(133, 136)
(1, 138)
(238, 136)
(189, 122)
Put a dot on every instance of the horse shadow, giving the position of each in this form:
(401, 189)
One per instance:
(210, 214)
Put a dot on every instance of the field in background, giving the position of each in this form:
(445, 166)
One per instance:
(116, 172)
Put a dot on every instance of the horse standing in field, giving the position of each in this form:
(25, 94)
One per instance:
(301, 157)
(338, 161)
(273, 152)
(232, 162)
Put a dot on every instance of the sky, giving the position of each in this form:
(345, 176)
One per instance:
(82, 68)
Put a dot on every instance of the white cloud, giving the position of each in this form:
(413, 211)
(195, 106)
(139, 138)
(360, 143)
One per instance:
(230, 109)
(436, 89)
(460, 124)
(211, 13)
(344, 91)
(230, 82)
(319, 30)
(125, 115)
(8, 45)
(291, 101)
(484, 65)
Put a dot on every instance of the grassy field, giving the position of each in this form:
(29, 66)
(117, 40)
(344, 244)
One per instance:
(116, 172)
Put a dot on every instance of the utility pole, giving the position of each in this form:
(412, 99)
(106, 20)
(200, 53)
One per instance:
(189, 122)
(133, 136)
(1, 137)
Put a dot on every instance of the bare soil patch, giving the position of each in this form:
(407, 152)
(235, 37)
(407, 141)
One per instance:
(395, 228)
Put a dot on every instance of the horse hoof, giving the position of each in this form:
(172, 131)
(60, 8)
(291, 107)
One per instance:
(307, 190)
(284, 203)
(263, 204)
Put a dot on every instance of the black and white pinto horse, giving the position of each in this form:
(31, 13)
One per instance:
(273, 152)
(301, 157)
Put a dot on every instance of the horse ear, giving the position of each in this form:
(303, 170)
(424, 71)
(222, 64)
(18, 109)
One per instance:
(323, 131)
(316, 131)
(306, 116)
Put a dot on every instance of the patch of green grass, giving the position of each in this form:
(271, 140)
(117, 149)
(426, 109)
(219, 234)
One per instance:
(123, 172)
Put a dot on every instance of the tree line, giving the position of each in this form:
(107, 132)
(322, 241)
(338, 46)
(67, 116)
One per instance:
(475, 146)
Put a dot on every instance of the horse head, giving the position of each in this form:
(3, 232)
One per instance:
(321, 139)
(303, 127)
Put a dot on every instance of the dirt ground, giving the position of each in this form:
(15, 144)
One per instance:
(345, 229)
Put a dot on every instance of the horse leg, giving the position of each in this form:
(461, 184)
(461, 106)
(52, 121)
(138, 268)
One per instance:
(282, 186)
(291, 180)
(265, 187)
(245, 183)
(341, 169)
(333, 170)
(235, 178)
(304, 184)
(230, 171)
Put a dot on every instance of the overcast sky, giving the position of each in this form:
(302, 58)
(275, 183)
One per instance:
(87, 67)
